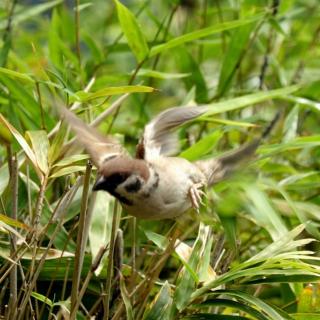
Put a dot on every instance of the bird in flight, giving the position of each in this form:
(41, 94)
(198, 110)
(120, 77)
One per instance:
(155, 185)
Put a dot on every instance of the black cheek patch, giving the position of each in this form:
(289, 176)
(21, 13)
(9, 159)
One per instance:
(110, 185)
(134, 186)
(122, 199)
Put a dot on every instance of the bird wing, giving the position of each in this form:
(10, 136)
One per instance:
(158, 139)
(99, 147)
(217, 169)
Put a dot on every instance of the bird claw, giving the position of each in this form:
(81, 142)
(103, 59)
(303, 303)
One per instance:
(196, 194)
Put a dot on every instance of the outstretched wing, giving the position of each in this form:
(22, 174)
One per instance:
(218, 168)
(99, 147)
(158, 139)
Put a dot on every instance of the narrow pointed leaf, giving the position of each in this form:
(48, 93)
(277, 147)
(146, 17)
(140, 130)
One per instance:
(132, 31)
(195, 35)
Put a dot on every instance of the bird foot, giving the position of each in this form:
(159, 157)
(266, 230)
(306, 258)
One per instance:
(196, 194)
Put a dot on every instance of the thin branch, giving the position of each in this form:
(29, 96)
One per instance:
(81, 239)
(94, 266)
(13, 273)
(107, 297)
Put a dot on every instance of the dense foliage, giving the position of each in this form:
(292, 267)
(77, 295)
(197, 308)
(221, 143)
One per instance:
(251, 252)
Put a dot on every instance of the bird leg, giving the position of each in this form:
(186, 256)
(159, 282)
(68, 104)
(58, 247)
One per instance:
(196, 194)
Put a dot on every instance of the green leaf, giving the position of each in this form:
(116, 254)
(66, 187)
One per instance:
(4, 172)
(297, 143)
(161, 305)
(235, 305)
(291, 124)
(30, 254)
(202, 33)
(87, 96)
(103, 206)
(42, 298)
(254, 301)
(28, 108)
(71, 160)
(132, 31)
(23, 143)
(250, 99)
(161, 75)
(40, 146)
(187, 64)
(67, 170)
(16, 75)
(5, 49)
(232, 57)
(304, 316)
(210, 316)
(4, 177)
(264, 213)
(160, 241)
(283, 244)
(202, 147)
(13, 222)
(186, 283)
(29, 12)
(55, 53)
(305, 300)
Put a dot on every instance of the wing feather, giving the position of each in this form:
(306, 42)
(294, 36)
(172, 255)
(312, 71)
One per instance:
(217, 169)
(98, 146)
(158, 138)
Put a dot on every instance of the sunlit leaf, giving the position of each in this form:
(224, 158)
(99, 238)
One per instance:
(40, 146)
(16, 75)
(23, 143)
(101, 222)
(202, 147)
(42, 298)
(87, 96)
(132, 31)
(68, 170)
(13, 222)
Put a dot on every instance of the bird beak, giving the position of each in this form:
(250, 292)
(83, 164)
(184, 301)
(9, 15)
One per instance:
(99, 184)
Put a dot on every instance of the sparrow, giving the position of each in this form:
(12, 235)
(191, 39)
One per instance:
(154, 184)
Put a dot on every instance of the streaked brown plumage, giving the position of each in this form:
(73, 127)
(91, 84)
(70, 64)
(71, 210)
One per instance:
(155, 185)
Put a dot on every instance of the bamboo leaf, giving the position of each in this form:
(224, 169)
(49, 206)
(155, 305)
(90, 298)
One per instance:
(23, 143)
(202, 147)
(195, 35)
(132, 31)
(67, 170)
(40, 146)
(87, 96)
(161, 305)
(102, 206)
(27, 13)
(16, 75)
(13, 222)
(250, 99)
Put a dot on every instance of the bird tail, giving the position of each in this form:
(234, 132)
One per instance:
(217, 169)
